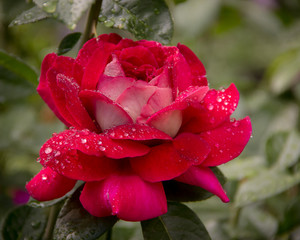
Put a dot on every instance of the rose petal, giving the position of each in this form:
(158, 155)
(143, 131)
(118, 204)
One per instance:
(196, 66)
(112, 87)
(84, 155)
(107, 113)
(43, 87)
(227, 141)
(136, 132)
(205, 178)
(138, 56)
(96, 65)
(114, 68)
(127, 196)
(73, 103)
(48, 185)
(215, 108)
(89, 48)
(134, 98)
(169, 119)
(191, 147)
(167, 161)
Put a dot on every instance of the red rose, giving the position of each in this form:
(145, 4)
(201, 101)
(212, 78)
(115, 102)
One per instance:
(139, 113)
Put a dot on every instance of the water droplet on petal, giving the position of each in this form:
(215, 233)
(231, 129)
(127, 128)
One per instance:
(57, 154)
(102, 148)
(48, 150)
(83, 140)
(44, 177)
(210, 107)
(219, 99)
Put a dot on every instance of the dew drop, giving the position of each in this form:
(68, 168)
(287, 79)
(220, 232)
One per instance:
(210, 107)
(28, 15)
(109, 23)
(219, 99)
(235, 124)
(48, 150)
(49, 6)
(133, 129)
(102, 148)
(44, 177)
(126, 134)
(83, 140)
(57, 154)
(217, 145)
(100, 142)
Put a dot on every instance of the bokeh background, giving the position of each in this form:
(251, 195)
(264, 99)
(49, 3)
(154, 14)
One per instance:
(253, 43)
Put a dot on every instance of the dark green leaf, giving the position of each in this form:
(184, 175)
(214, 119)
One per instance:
(177, 191)
(24, 223)
(179, 222)
(68, 43)
(75, 223)
(70, 11)
(291, 218)
(148, 19)
(18, 67)
(32, 15)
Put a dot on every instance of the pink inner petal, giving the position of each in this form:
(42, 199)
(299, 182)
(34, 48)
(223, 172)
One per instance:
(107, 113)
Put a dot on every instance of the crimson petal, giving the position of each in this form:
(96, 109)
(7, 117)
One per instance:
(136, 132)
(168, 160)
(127, 196)
(205, 178)
(48, 185)
(227, 141)
(74, 105)
(215, 108)
(84, 155)
(197, 68)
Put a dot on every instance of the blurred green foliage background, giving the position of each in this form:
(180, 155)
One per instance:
(252, 43)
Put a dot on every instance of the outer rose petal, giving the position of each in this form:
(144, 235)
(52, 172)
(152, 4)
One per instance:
(127, 196)
(136, 132)
(227, 141)
(215, 108)
(43, 87)
(96, 65)
(167, 161)
(73, 103)
(197, 68)
(84, 155)
(205, 178)
(48, 185)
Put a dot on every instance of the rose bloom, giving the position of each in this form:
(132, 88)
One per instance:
(138, 113)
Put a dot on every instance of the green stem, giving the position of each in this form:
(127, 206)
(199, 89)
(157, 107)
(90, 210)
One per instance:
(54, 210)
(90, 29)
(109, 234)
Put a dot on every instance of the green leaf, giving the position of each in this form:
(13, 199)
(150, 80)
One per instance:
(32, 15)
(290, 152)
(75, 223)
(283, 72)
(179, 222)
(148, 19)
(70, 11)
(68, 43)
(177, 191)
(291, 219)
(24, 223)
(18, 67)
(267, 184)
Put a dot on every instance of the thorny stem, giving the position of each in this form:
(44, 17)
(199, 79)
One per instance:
(90, 29)
(54, 210)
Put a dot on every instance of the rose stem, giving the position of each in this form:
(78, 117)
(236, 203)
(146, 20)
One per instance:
(90, 29)
(54, 210)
